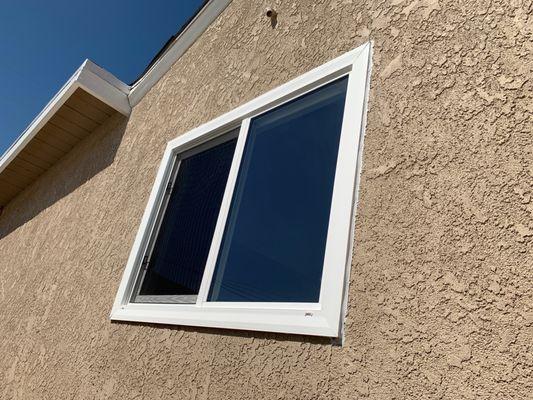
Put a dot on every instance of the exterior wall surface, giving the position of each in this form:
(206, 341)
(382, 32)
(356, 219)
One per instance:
(441, 291)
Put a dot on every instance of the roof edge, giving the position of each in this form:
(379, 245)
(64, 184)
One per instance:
(91, 78)
(201, 21)
(106, 87)
(107, 76)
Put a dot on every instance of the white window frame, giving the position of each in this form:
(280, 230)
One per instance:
(324, 318)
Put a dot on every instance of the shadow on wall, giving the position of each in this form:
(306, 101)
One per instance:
(86, 159)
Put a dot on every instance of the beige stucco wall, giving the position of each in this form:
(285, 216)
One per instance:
(440, 300)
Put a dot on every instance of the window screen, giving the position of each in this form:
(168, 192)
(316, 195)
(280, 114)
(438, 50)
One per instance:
(175, 267)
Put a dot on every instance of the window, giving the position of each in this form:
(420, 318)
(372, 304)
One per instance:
(249, 224)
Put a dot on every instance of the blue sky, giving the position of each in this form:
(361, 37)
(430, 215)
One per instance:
(42, 43)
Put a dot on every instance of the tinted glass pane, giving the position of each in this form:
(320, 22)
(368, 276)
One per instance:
(178, 259)
(274, 240)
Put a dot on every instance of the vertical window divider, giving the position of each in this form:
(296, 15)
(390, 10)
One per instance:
(223, 214)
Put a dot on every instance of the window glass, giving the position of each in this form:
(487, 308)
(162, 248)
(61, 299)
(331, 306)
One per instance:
(273, 245)
(179, 255)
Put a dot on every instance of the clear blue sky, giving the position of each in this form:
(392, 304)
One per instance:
(42, 43)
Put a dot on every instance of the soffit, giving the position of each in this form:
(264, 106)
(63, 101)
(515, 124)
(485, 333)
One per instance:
(89, 98)
(85, 102)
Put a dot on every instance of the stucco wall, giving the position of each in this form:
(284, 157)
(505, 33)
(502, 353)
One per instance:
(440, 301)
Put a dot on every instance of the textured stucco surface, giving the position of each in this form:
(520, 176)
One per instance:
(441, 292)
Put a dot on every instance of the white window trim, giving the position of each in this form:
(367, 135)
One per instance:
(321, 319)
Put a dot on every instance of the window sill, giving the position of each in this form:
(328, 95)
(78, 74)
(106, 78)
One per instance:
(299, 320)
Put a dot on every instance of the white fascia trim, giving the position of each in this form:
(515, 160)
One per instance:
(111, 90)
(194, 29)
(91, 78)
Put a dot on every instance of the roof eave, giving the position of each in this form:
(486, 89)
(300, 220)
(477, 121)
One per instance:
(211, 10)
(91, 78)
(105, 87)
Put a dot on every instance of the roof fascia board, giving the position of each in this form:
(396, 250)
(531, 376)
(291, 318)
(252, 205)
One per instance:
(111, 90)
(89, 77)
(196, 27)
(102, 89)
(106, 76)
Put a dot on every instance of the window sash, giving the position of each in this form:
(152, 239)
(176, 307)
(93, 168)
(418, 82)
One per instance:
(323, 318)
(154, 232)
